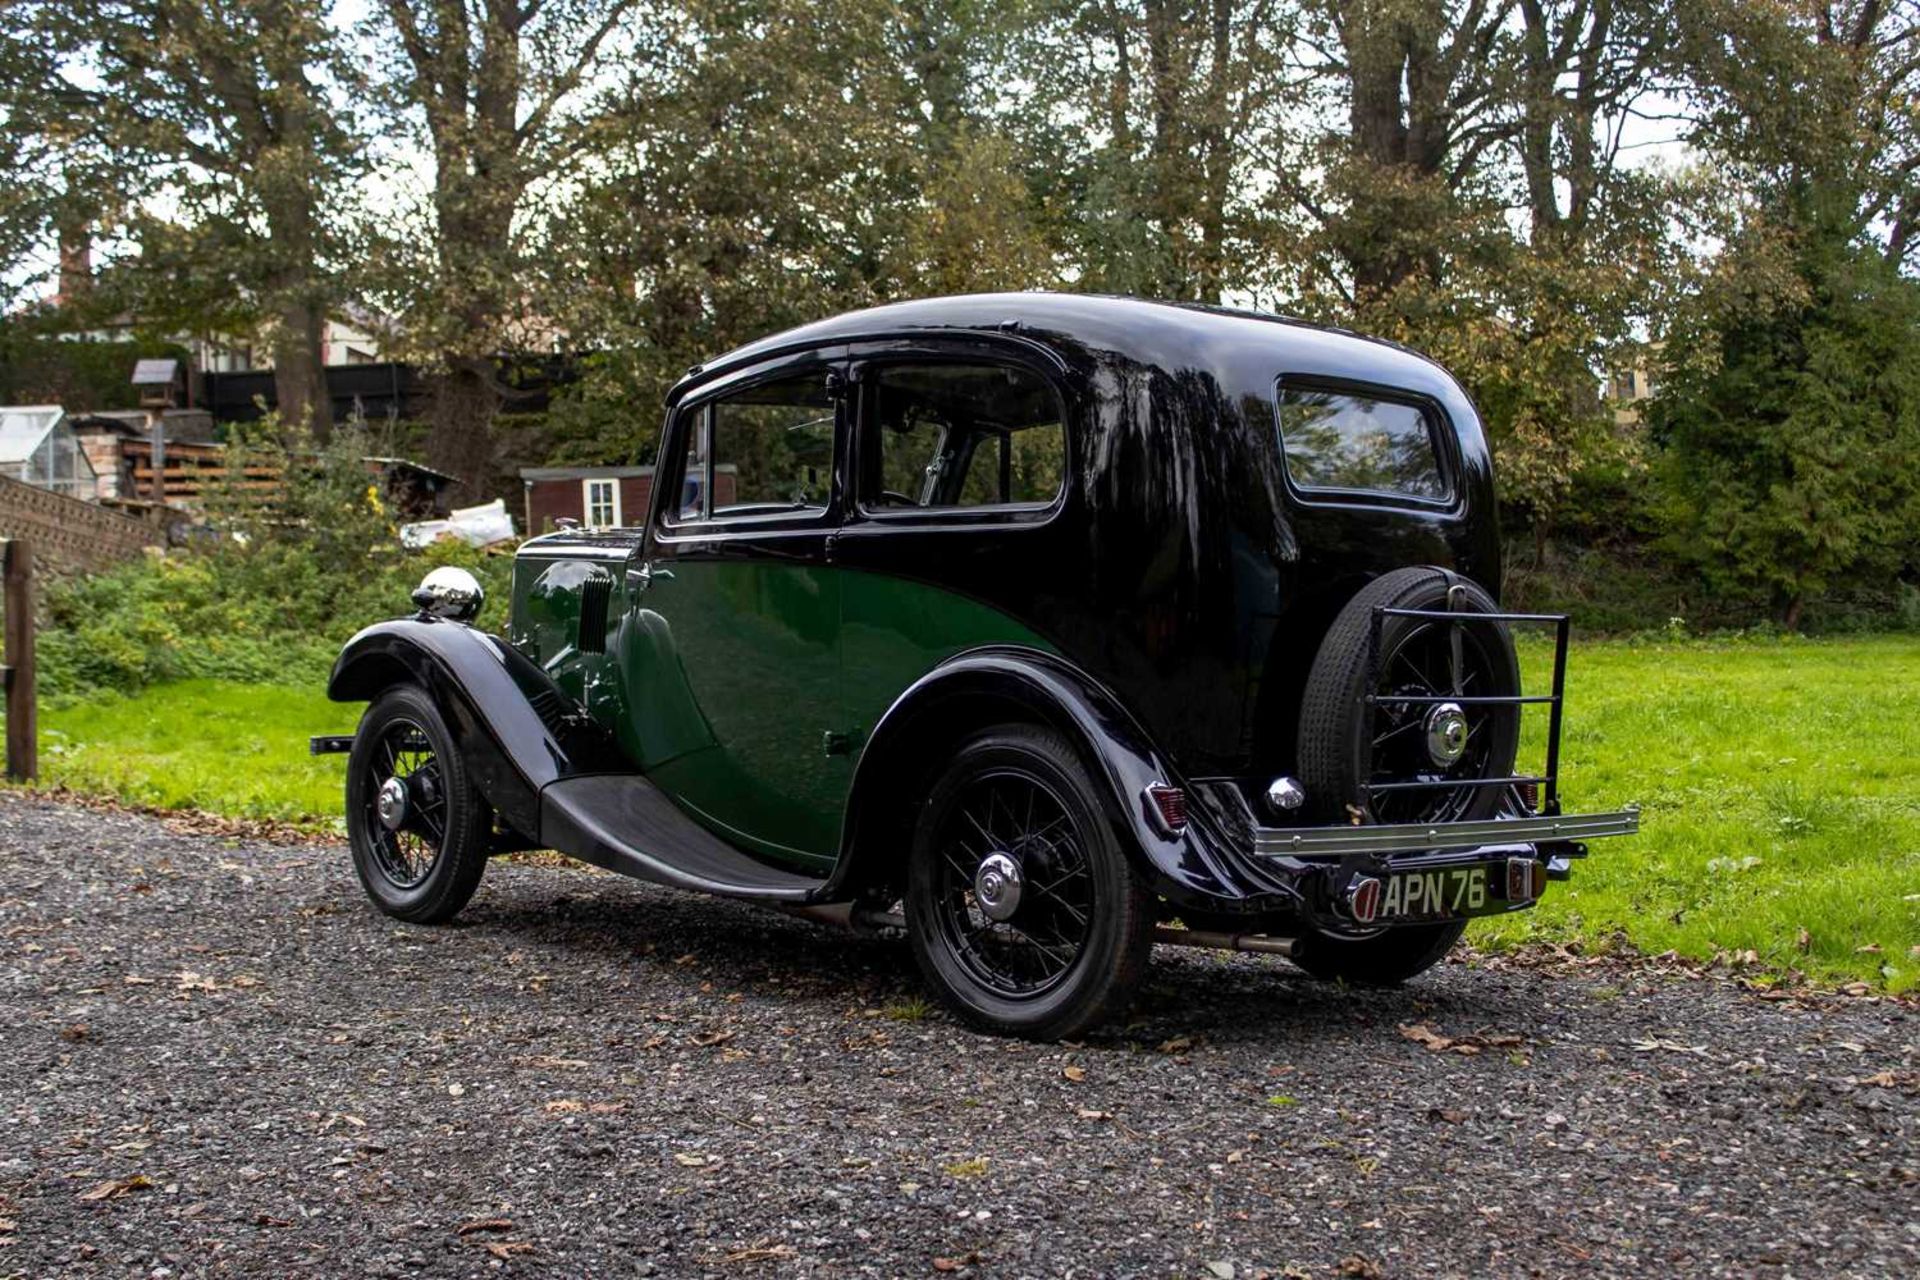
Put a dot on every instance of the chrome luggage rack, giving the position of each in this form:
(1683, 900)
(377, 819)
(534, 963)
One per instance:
(1548, 826)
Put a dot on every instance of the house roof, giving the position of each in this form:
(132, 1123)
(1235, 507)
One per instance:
(23, 427)
(531, 474)
(180, 426)
(407, 464)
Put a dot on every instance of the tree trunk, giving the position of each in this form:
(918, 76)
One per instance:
(465, 399)
(299, 371)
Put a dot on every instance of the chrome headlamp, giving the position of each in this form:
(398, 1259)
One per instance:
(450, 593)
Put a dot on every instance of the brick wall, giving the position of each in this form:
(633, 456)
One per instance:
(548, 500)
(70, 536)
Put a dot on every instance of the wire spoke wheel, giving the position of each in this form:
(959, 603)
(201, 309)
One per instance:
(405, 804)
(1431, 661)
(1014, 894)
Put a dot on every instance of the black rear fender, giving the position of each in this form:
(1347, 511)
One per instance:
(982, 688)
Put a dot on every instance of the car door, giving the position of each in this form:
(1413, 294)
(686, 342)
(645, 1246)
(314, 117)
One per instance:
(731, 637)
(957, 474)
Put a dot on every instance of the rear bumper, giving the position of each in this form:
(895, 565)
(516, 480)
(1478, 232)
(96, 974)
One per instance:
(1421, 837)
(1337, 872)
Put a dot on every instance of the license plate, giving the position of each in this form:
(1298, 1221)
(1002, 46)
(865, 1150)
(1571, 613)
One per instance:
(1442, 893)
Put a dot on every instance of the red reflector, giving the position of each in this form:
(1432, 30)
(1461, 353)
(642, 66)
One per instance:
(1363, 899)
(1170, 805)
(1529, 795)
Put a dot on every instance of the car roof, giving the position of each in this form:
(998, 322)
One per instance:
(1150, 332)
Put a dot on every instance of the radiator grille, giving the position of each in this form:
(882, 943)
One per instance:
(594, 596)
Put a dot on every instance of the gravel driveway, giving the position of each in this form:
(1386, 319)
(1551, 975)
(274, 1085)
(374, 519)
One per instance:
(216, 1059)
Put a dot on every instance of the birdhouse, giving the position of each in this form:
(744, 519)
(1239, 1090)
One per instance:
(158, 382)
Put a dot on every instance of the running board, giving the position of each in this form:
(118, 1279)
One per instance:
(625, 823)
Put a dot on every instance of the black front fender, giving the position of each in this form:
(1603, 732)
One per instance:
(515, 729)
(982, 687)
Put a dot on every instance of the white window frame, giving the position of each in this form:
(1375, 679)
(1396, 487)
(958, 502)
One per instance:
(587, 502)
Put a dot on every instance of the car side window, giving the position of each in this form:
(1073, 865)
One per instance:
(766, 449)
(1359, 441)
(960, 434)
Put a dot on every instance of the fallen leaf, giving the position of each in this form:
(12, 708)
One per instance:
(1360, 1268)
(1668, 1046)
(690, 1159)
(761, 1251)
(1089, 1113)
(565, 1106)
(1179, 1044)
(1075, 1074)
(966, 1168)
(708, 1039)
(132, 981)
(505, 1249)
(1447, 1114)
(483, 1224)
(114, 1188)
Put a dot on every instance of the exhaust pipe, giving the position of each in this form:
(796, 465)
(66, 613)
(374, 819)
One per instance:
(1257, 943)
(862, 919)
(847, 915)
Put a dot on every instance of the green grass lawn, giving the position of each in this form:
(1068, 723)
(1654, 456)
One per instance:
(234, 749)
(1779, 782)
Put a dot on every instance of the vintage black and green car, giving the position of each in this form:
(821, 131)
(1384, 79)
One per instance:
(1044, 628)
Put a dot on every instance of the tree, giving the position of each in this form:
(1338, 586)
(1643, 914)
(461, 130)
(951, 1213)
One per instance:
(222, 113)
(1153, 118)
(494, 86)
(1791, 420)
(1788, 420)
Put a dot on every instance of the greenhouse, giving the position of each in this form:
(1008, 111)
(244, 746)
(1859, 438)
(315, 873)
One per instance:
(37, 445)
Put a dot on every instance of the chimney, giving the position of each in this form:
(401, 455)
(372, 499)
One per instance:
(76, 264)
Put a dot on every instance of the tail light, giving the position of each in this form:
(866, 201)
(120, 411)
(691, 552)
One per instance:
(1166, 807)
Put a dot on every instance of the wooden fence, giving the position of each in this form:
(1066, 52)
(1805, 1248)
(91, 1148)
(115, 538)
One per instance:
(23, 715)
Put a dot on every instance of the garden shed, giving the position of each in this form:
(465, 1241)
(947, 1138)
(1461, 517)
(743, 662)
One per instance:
(38, 446)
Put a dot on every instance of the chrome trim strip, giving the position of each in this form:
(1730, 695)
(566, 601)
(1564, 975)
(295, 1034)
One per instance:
(1420, 837)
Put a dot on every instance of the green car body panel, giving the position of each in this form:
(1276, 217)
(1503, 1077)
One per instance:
(747, 689)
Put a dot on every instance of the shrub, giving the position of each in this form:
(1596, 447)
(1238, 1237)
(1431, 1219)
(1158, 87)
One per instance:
(269, 596)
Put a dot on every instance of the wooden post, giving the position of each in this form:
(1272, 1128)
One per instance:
(23, 721)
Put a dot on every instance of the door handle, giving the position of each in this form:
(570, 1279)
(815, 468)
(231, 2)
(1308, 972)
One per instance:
(640, 579)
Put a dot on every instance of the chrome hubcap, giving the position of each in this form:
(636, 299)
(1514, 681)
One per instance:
(996, 886)
(1446, 734)
(392, 804)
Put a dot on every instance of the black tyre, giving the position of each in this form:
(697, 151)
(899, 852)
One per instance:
(1022, 910)
(1385, 959)
(1345, 741)
(418, 828)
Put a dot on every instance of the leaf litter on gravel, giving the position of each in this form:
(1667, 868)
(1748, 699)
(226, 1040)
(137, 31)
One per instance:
(1422, 1034)
(114, 1188)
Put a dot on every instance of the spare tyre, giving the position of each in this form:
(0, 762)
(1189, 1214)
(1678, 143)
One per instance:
(1384, 730)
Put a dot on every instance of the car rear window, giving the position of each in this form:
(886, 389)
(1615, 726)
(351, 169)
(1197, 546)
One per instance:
(1359, 441)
